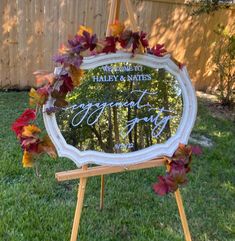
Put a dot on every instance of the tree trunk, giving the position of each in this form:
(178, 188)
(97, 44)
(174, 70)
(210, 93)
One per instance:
(129, 113)
(110, 134)
(135, 132)
(116, 127)
(147, 136)
(165, 100)
(141, 136)
(98, 135)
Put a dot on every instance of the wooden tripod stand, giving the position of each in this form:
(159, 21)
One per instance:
(86, 172)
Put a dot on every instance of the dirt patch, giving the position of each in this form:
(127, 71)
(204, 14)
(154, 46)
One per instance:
(215, 108)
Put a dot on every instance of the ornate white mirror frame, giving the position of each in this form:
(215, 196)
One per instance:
(157, 150)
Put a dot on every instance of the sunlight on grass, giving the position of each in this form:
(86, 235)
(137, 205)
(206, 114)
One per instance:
(228, 186)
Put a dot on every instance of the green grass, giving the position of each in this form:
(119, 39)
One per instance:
(41, 209)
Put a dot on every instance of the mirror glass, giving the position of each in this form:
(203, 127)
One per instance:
(122, 107)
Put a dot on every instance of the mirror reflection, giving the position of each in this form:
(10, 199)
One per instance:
(122, 107)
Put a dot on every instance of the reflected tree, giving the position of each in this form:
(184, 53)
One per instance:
(139, 107)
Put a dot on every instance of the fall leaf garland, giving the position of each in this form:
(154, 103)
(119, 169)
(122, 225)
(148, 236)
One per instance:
(30, 140)
(70, 57)
(177, 168)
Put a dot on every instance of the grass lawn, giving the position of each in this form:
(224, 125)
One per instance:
(41, 209)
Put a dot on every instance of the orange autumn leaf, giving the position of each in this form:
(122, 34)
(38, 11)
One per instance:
(117, 28)
(47, 146)
(83, 28)
(30, 131)
(63, 49)
(44, 76)
(183, 152)
(27, 160)
(76, 75)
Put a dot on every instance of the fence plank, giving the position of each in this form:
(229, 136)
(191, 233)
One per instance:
(5, 58)
(1, 42)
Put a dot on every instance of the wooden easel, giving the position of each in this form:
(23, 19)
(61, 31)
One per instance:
(86, 172)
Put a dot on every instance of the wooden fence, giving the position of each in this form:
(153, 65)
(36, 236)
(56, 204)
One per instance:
(32, 31)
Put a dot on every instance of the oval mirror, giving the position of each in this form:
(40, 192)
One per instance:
(127, 110)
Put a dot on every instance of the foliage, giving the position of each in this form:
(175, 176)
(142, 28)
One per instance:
(208, 6)
(224, 60)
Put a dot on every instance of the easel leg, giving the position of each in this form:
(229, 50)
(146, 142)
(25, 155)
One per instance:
(102, 193)
(78, 211)
(182, 215)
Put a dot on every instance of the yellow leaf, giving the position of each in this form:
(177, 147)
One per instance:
(27, 160)
(36, 98)
(30, 131)
(117, 28)
(76, 75)
(83, 28)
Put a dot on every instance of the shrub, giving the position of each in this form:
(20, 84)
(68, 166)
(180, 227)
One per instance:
(224, 60)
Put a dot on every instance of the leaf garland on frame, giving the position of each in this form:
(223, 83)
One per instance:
(68, 76)
(177, 168)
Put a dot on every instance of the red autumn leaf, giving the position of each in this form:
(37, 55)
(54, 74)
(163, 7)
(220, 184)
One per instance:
(135, 39)
(67, 84)
(181, 65)
(44, 90)
(27, 116)
(126, 39)
(172, 184)
(158, 50)
(110, 45)
(161, 188)
(17, 127)
(143, 39)
(178, 172)
(129, 39)
(87, 40)
(30, 144)
(197, 150)
(178, 168)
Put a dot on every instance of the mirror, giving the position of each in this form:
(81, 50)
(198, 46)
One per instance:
(122, 107)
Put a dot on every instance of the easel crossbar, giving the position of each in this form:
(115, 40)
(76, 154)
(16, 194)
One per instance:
(102, 170)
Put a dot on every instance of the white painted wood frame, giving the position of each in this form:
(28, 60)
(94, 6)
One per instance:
(158, 150)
